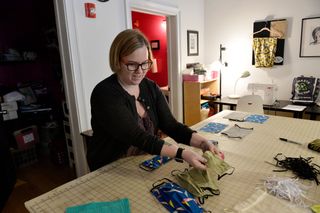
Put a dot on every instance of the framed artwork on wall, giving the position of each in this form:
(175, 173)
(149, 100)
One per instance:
(155, 44)
(310, 37)
(193, 42)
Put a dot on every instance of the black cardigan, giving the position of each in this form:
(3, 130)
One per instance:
(115, 126)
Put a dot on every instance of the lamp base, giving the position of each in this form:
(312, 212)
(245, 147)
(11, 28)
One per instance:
(234, 96)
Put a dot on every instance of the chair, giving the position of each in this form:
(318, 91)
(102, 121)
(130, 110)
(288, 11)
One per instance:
(250, 103)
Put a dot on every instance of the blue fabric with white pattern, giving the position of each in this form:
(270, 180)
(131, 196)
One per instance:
(175, 198)
(213, 127)
(256, 118)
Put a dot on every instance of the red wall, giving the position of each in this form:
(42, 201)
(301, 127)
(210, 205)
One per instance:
(154, 28)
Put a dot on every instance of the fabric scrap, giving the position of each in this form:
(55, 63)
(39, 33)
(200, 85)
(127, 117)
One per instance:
(314, 145)
(117, 206)
(315, 208)
(257, 118)
(237, 132)
(236, 116)
(213, 127)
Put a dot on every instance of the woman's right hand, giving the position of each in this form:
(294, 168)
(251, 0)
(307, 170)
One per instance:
(194, 159)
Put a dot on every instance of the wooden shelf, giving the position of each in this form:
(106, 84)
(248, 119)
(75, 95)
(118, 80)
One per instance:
(192, 99)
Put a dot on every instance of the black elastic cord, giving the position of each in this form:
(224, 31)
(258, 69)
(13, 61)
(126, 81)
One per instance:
(302, 167)
(248, 128)
(230, 173)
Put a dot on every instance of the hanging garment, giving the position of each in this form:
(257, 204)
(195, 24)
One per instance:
(264, 51)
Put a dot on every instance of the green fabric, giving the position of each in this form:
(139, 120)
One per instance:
(314, 145)
(204, 183)
(118, 206)
(315, 208)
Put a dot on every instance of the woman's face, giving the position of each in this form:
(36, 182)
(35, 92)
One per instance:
(138, 59)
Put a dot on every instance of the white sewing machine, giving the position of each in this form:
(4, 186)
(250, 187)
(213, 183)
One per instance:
(266, 91)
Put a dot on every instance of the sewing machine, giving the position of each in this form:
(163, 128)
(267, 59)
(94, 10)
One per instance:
(266, 91)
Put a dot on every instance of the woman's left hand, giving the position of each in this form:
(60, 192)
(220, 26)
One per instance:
(205, 145)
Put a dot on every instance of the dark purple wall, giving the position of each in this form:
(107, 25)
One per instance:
(29, 26)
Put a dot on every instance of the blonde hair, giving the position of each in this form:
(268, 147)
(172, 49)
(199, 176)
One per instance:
(125, 43)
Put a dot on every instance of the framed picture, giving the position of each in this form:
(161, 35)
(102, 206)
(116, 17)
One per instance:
(155, 44)
(193, 42)
(310, 37)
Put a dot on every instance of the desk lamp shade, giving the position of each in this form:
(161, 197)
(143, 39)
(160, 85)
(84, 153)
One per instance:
(245, 74)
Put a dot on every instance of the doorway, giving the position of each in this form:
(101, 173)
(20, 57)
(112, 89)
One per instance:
(154, 28)
(173, 48)
(31, 81)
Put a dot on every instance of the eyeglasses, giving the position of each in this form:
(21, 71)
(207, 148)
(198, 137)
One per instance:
(132, 66)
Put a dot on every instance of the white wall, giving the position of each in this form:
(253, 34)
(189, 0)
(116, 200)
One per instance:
(83, 48)
(191, 18)
(90, 39)
(230, 22)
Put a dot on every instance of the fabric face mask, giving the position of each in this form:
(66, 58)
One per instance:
(174, 198)
(204, 183)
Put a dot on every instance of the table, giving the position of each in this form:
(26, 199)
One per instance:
(124, 178)
(314, 111)
(277, 106)
(87, 137)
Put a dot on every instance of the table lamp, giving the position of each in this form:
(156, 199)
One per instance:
(217, 66)
(245, 74)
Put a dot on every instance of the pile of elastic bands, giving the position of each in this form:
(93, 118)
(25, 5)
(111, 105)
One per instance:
(287, 189)
(302, 167)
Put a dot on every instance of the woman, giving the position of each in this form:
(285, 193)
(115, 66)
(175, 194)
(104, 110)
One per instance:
(128, 109)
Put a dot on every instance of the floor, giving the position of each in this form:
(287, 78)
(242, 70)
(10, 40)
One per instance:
(35, 180)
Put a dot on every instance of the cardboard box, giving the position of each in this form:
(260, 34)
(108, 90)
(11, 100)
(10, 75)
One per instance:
(10, 115)
(11, 110)
(26, 137)
(9, 106)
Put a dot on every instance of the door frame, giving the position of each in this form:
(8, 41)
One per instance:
(68, 64)
(173, 46)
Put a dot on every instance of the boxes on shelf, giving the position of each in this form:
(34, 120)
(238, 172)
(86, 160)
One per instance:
(24, 157)
(11, 110)
(9, 106)
(27, 137)
(192, 77)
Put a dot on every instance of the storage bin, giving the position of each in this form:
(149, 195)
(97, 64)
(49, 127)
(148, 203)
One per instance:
(27, 137)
